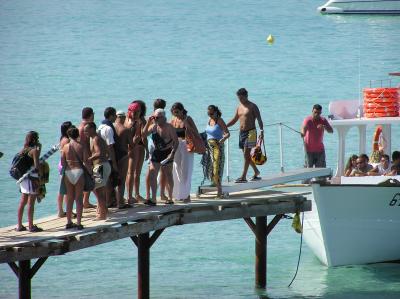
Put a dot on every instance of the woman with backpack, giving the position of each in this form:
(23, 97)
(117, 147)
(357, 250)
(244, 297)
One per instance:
(29, 186)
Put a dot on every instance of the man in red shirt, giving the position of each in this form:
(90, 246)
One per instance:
(312, 131)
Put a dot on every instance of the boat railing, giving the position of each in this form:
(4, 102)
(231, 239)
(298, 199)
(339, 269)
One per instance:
(280, 126)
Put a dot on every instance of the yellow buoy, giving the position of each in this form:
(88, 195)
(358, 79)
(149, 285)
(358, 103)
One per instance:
(270, 39)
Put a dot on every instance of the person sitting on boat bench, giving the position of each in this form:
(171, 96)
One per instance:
(395, 169)
(363, 167)
(384, 167)
(312, 132)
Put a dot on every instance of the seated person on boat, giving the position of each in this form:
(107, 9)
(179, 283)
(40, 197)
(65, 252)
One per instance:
(395, 169)
(363, 168)
(384, 166)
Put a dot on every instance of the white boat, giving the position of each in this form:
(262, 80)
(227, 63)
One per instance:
(388, 7)
(355, 220)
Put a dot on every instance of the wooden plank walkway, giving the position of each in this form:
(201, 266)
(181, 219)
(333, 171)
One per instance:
(55, 239)
(270, 180)
(20, 249)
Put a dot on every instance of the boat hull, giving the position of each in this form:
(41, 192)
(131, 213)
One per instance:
(354, 224)
(388, 7)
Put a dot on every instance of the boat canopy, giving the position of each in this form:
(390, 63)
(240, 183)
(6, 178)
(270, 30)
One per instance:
(342, 126)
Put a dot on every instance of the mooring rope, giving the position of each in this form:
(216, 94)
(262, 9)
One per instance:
(301, 243)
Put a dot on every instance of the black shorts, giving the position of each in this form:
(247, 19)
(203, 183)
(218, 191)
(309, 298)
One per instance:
(159, 155)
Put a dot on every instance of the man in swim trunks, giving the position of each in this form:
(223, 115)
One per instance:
(165, 144)
(87, 116)
(312, 132)
(98, 156)
(247, 113)
(123, 144)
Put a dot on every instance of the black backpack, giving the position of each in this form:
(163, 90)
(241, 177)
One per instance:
(20, 164)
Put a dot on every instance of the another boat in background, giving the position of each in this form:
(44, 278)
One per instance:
(386, 7)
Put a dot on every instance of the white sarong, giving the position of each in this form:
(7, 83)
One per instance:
(182, 171)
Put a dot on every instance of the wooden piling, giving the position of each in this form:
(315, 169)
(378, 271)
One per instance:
(144, 266)
(261, 252)
(24, 279)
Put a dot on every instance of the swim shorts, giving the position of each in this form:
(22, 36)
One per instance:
(247, 139)
(159, 155)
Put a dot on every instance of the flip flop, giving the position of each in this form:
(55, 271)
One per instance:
(70, 225)
(150, 203)
(169, 202)
(35, 229)
(125, 206)
(79, 226)
(255, 178)
(20, 229)
(240, 180)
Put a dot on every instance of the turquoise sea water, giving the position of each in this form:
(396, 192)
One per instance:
(59, 56)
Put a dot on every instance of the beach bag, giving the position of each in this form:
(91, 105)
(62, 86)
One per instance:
(194, 143)
(257, 155)
(20, 164)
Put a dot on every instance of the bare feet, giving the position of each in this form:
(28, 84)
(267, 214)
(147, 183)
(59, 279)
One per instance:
(61, 214)
(139, 198)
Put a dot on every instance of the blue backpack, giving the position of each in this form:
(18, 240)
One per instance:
(20, 164)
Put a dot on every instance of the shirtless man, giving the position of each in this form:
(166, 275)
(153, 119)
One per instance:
(87, 116)
(98, 156)
(123, 145)
(247, 113)
(165, 144)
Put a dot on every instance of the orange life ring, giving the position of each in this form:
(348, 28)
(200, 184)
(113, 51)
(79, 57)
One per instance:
(380, 114)
(381, 110)
(382, 90)
(380, 105)
(375, 144)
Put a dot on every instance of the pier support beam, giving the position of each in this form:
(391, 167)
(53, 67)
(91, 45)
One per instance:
(261, 252)
(144, 243)
(25, 273)
(261, 230)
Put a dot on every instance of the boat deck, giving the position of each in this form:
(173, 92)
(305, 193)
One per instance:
(270, 180)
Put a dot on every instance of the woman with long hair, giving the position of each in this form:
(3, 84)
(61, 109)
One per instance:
(217, 132)
(63, 141)
(135, 122)
(183, 161)
(30, 185)
(73, 159)
(350, 165)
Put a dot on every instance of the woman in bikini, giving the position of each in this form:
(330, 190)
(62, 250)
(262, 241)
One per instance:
(165, 144)
(136, 122)
(29, 186)
(63, 141)
(183, 162)
(73, 158)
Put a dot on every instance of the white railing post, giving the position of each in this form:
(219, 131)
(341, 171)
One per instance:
(227, 160)
(281, 146)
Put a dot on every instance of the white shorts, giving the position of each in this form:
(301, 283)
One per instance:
(26, 187)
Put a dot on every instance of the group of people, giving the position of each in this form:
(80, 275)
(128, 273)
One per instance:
(107, 159)
(359, 165)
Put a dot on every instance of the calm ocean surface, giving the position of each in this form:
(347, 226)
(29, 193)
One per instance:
(59, 56)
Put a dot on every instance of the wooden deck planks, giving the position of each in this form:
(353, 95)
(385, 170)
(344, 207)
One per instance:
(55, 240)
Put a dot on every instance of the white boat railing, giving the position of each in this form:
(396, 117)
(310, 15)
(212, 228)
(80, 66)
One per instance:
(280, 125)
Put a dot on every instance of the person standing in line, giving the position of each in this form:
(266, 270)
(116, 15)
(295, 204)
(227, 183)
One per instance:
(29, 186)
(135, 123)
(63, 141)
(123, 145)
(312, 131)
(101, 168)
(74, 159)
(183, 161)
(108, 133)
(165, 145)
(217, 132)
(247, 113)
(87, 116)
(160, 104)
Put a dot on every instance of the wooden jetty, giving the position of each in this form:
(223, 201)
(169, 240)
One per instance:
(270, 180)
(19, 249)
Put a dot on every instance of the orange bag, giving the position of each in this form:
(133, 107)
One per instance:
(194, 143)
(257, 155)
